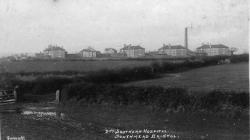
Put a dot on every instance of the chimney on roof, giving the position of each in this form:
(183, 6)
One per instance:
(186, 37)
(169, 45)
(209, 45)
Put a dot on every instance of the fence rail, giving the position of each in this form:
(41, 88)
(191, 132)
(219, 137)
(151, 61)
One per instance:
(7, 97)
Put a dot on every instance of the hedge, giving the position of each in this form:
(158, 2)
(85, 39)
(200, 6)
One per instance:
(161, 98)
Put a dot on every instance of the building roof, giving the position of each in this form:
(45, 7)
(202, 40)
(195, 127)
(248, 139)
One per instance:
(54, 48)
(107, 49)
(172, 47)
(128, 47)
(205, 46)
(89, 49)
(73, 55)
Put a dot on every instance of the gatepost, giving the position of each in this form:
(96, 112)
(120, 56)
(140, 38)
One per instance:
(58, 96)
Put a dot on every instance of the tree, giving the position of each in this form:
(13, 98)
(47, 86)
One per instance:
(232, 50)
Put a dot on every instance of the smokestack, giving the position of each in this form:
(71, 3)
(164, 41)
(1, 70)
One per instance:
(186, 37)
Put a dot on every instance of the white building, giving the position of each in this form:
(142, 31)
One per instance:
(133, 51)
(175, 50)
(89, 52)
(213, 50)
(55, 51)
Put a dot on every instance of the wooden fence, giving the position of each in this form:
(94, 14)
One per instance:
(7, 96)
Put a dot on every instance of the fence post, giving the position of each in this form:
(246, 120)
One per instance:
(58, 96)
(15, 92)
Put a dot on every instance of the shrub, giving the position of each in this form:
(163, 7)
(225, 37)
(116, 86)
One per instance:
(156, 68)
(42, 85)
(170, 98)
(122, 75)
(240, 99)
(212, 100)
(240, 58)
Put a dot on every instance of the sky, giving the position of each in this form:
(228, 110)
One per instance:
(31, 25)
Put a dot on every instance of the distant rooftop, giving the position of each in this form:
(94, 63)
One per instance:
(106, 49)
(205, 46)
(127, 47)
(89, 49)
(53, 48)
(172, 47)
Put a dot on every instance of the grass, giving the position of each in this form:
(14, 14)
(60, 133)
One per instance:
(14, 126)
(224, 103)
(74, 66)
(95, 115)
(43, 80)
(192, 125)
(223, 77)
(94, 118)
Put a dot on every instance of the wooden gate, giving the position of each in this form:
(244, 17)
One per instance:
(7, 96)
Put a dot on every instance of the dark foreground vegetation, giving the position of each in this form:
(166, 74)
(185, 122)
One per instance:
(156, 68)
(100, 88)
(48, 84)
(56, 67)
(42, 86)
(89, 107)
(45, 84)
(167, 99)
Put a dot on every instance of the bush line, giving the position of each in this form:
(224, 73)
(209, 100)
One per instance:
(155, 69)
(159, 98)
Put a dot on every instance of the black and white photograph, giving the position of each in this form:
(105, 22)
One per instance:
(124, 70)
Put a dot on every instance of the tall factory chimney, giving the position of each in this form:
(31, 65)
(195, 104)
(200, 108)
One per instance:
(186, 37)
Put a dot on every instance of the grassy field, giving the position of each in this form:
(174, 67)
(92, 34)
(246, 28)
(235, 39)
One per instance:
(84, 120)
(229, 77)
(184, 125)
(91, 121)
(79, 66)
